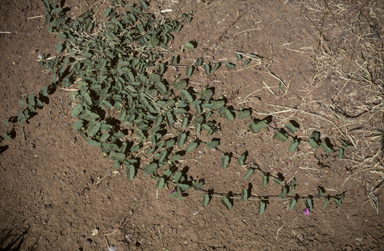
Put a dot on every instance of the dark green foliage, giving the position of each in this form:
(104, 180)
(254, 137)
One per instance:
(125, 107)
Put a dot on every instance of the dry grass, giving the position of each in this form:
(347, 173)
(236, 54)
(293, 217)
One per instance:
(350, 47)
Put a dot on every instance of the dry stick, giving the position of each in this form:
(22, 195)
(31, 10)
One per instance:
(248, 30)
(313, 114)
(237, 19)
(109, 174)
(161, 239)
(22, 129)
(269, 89)
(5, 32)
(69, 90)
(29, 18)
(106, 240)
(277, 234)
(369, 159)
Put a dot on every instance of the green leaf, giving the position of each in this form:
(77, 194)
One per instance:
(291, 128)
(107, 11)
(160, 183)
(186, 96)
(130, 172)
(229, 65)
(188, 46)
(189, 71)
(177, 176)
(179, 111)
(117, 156)
(87, 98)
(284, 192)
(105, 104)
(320, 192)
(175, 157)
(293, 145)
(77, 125)
(207, 69)
(158, 120)
(93, 143)
(180, 85)
(192, 146)
(292, 204)
(162, 156)
(213, 144)
(246, 62)
(315, 135)
(104, 137)
(5, 122)
(170, 118)
(326, 201)
(341, 152)
(205, 200)
(167, 173)
(169, 143)
(44, 91)
(244, 195)
(183, 187)
(94, 130)
(144, 4)
(215, 105)
(313, 143)
(225, 201)
(241, 159)
(31, 100)
(199, 61)
(90, 116)
(278, 135)
(309, 202)
(243, 114)
(215, 67)
(265, 180)
(292, 189)
(150, 168)
(184, 123)
(60, 35)
(59, 47)
(224, 161)
(206, 94)
(248, 173)
(56, 10)
(76, 110)
(6, 136)
(325, 148)
(338, 201)
(22, 102)
(261, 207)
(197, 185)
(181, 139)
(228, 115)
(238, 56)
(86, 55)
(277, 181)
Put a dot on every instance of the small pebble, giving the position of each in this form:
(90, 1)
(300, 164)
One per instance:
(88, 241)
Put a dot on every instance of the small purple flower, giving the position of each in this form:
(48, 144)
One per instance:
(172, 191)
(306, 211)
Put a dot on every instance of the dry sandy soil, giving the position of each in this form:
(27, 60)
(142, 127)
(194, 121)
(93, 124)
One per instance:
(55, 189)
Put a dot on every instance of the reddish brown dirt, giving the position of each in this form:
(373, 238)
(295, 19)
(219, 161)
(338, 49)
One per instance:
(55, 189)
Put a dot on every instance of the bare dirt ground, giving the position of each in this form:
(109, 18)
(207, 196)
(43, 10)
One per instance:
(55, 189)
